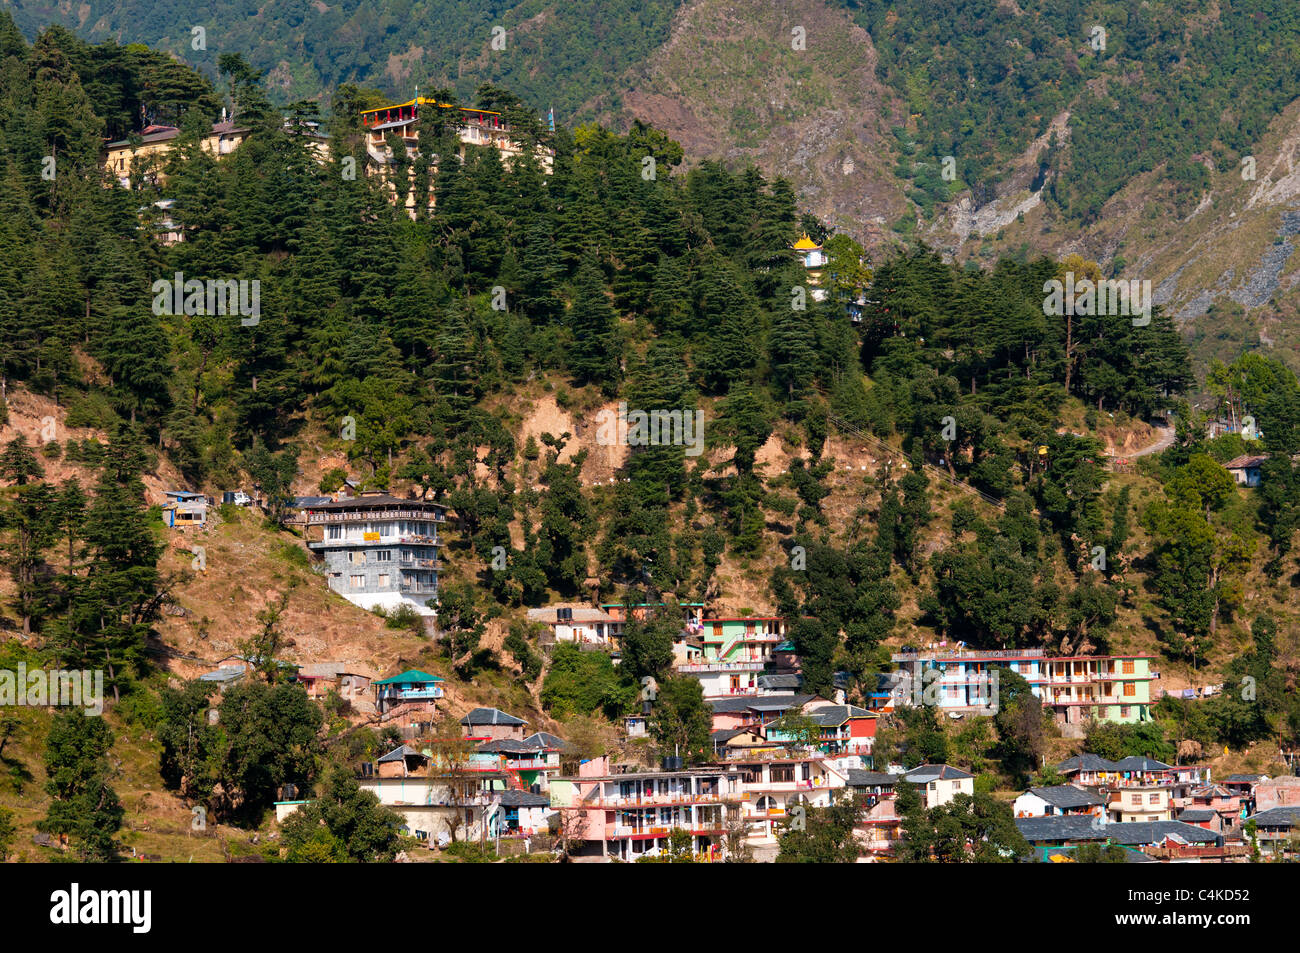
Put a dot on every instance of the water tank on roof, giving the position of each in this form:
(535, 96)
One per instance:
(672, 762)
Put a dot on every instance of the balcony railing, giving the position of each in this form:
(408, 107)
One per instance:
(374, 515)
(661, 800)
(624, 830)
(701, 667)
(411, 694)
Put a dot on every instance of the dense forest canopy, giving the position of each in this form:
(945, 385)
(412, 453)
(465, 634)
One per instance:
(559, 55)
(1159, 85)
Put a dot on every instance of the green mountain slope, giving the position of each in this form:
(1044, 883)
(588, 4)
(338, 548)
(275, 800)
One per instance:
(554, 54)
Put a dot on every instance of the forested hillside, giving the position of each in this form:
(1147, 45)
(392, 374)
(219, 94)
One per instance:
(552, 54)
(437, 336)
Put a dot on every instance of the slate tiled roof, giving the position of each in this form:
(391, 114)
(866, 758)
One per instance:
(226, 674)
(1075, 827)
(1063, 827)
(1067, 796)
(1085, 762)
(772, 703)
(1245, 461)
(744, 703)
(831, 716)
(726, 734)
(1134, 763)
(1196, 814)
(490, 716)
(1277, 817)
(400, 753)
(508, 746)
(858, 778)
(544, 739)
(515, 798)
(1153, 832)
(925, 773)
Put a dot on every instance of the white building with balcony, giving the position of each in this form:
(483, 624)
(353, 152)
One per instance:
(380, 552)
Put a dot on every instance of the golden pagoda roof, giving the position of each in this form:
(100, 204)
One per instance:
(805, 244)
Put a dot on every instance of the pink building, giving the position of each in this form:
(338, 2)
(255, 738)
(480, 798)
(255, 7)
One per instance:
(1277, 792)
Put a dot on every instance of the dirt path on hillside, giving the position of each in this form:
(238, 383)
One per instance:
(1164, 442)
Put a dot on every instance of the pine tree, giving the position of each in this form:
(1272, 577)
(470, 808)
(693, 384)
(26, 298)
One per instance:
(594, 356)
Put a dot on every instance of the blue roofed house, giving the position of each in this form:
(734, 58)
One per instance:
(408, 698)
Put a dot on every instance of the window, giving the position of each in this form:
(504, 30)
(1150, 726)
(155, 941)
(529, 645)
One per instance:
(782, 773)
(358, 557)
(1128, 666)
(1129, 689)
(383, 555)
(1123, 711)
(357, 582)
(1153, 798)
(335, 532)
(383, 580)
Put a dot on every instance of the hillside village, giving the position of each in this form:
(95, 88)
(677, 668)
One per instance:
(887, 560)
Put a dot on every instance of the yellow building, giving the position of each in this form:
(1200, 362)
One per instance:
(474, 127)
(155, 142)
(814, 258)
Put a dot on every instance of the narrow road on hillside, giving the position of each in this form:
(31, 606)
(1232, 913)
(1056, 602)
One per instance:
(1164, 442)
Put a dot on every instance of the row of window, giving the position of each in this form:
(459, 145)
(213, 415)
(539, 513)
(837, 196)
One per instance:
(386, 528)
(1127, 667)
(359, 556)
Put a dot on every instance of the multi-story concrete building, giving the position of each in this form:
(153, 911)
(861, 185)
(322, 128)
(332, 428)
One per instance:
(629, 816)
(442, 802)
(728, 655)
(1114, 688)
(380, 552)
